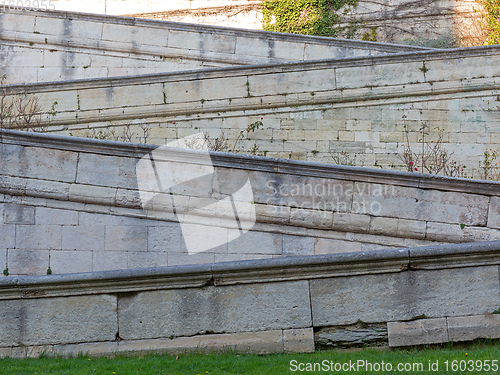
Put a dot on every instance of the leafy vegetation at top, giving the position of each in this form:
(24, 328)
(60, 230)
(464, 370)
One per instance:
(491, 20)
(311, 17)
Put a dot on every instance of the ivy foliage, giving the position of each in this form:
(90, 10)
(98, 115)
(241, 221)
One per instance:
(311, 17)
(491, 19)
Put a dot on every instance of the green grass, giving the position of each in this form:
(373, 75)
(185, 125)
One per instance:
(231, 363)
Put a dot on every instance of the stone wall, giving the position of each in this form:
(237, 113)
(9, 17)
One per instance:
(310, 111)
(77, 205)
(392, 20)
(403, 297)
(37, 46)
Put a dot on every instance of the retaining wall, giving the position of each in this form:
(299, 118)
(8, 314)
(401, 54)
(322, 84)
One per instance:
(398, 297)
(393, 20)
(310, 110)
(78, 205)
(38, 46)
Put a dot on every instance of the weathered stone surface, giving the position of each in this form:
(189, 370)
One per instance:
(70, 261)
(179, 259)
(165, 238)
(419, 332)
(297, 245)
(109, 260)
(257, 243)
(7, 236)
(298, 340)
(240, 308)
(19, 214)
(83, 237)
(412, 203)
(327, 246)
(145, 260)
(55, 165)
(468, 328)
(248, 342)
(494, 213)
(103, 170)
(126, 238)
(28, 262)
(357, 335)
(59, 320)
(404, 296)
(50, 216)
(92, 194)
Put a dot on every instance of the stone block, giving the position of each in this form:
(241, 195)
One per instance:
(7, 236)
(18, 214)
(418, 332)
(288, 51)
(95, 169)
(89, 238)
(311, 218)
(126, 238)
(405, 295)
(238, 308)
(248, 342)
(49, 189)
(297, 245)
(184, 39)
(252, 46)
(64, 320)
(70, 261)
(33, 162)
(44, 237)
(109, 260)
(411, 228)
(298, 340)
(165, 238)
(231, 87)
(3, 258)
(328, 246)
(146, 259)
(28, 262)
(494, 213)
(384, 226)
(18, 22)
(257, 243)
(469, 328)
(179, 259)
(444, 232)
(228, 257)
(92, 194)
(357, 335)
(51, 216)
(417, 204)
(347, 222)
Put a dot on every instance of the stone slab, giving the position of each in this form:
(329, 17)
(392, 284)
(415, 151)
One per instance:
(419, 332)
(27, 262)
(239, 308)
(62, 320)
(298, 340)
(19, 214)
(405, 295)
(249, 342)
(70, 261)
(468, 328)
